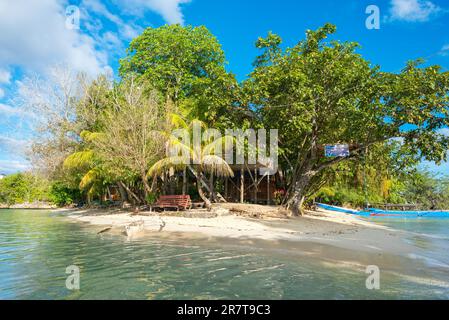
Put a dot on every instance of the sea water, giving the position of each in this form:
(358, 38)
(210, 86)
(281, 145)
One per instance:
(37, 247)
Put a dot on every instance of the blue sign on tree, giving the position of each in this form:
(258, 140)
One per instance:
(336, 150)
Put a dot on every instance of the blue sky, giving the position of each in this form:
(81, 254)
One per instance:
(34, 38)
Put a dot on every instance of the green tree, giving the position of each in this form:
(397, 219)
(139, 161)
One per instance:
(320, 93)
(187, 65)
(61, 195)
(125, 144)
(427, 190)
(23, 187)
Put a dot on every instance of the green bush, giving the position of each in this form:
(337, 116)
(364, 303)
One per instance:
(62, 195)
(152, 198)
(23, 187)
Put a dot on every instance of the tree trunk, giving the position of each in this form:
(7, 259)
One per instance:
(123, 194)
(211, 186)
(296, 200)
(154, 183)
(242, 185)
(295, 205)
(206, 185)
(184, 182)
(268, 189)
(131, 195)
(256, 187)
(164, 183)
(200, 191)
(226, 188)
(147, 189)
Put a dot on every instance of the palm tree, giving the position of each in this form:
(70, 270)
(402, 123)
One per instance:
(94, 174)
(85, 163)
(202, 156)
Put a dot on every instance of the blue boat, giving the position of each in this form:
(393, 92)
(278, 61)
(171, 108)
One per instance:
(378, 213)
(407, 214)
(337, 209)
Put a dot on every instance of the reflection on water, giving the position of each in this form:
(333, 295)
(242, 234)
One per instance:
(36, 247)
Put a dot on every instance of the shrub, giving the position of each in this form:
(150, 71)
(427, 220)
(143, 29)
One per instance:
(62, 195)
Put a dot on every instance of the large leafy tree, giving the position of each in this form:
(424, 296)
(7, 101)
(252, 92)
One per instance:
(427, 190)
(320, 93)
(187, 65)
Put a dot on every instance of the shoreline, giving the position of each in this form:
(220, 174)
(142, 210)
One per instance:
(29, 206)
(323, 227)
(330, 239)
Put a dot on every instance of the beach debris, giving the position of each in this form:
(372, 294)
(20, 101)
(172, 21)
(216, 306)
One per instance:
(134, 228)
(162, 225)
(219, 212)
(104, 230)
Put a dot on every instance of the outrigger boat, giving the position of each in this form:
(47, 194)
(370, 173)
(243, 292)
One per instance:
(337, 209)
(371, 212)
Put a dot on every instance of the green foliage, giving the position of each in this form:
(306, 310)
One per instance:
(187, 65)
(429, 191)
(23, 187)
(151, 198)
(62, 195)
(317, 92)
(414, 187)
(323, 92)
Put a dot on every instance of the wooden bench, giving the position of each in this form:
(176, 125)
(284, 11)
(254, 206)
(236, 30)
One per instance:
(173, 202)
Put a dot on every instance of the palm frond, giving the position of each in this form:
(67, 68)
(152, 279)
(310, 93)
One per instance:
(217, 165)
(89, 179)
(175, 144)
(177, 163)
(198, 123)
(79, 159)
(177, 121)
(222, 144)
(91, 136)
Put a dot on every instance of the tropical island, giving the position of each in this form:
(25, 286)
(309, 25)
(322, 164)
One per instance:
(176, 148)
(102, 142)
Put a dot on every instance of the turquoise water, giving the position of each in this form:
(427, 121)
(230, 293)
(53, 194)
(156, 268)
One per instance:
(37, 246)
(429, 234)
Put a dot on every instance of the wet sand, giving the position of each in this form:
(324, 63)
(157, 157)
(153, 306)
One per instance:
(320, 227)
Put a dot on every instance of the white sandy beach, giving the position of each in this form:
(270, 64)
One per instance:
(325, 227)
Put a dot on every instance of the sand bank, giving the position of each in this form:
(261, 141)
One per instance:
(323, 227)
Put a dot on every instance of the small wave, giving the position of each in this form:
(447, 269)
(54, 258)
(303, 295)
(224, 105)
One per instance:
(430, 261)
(263, 269)
(229, 257)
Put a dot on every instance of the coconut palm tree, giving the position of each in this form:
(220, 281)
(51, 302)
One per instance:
(94, 173)
(202, 158)
(84, 162)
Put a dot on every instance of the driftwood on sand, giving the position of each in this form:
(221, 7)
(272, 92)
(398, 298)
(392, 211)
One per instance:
(104, 230)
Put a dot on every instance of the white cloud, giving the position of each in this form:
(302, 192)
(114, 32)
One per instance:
(6, 110)
(170, 10)
(11, 166)
(413, 10)
(5, 76)
(444, 50)
(13, 144)
(126, 30)
(37, 37)
(2, 93)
